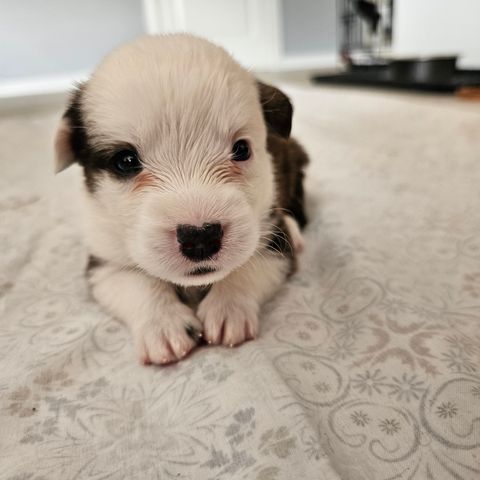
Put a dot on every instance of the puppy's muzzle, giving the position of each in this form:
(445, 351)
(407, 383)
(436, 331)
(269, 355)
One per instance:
(200, 243)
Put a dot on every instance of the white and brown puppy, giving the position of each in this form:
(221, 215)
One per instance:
(193, 189)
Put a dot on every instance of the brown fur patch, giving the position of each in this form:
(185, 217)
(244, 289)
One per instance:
(289, 161)
(191, 296)
(93, 263)
(289, 158)
(277, 109)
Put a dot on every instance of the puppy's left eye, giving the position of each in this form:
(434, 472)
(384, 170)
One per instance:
(240, 151)
(126, 162)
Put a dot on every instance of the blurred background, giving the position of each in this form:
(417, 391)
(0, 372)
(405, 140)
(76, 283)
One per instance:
(323, 45)
(385, 306)
(46, 46)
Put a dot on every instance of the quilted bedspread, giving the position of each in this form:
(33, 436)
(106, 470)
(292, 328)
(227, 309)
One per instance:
(367, 367)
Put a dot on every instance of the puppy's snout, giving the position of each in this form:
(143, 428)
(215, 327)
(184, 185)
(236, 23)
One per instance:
(200, 243)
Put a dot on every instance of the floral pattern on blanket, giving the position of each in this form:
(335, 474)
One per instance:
(368, 362)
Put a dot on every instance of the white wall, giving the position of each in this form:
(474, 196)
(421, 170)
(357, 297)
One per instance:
(264, 35)
(309, 27)
(47, 44)
(425, 27)
(48, 38)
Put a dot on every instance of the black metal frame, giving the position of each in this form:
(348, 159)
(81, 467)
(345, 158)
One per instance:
(355, 36)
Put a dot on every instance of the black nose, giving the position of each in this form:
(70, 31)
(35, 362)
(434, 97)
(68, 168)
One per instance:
(200, 243)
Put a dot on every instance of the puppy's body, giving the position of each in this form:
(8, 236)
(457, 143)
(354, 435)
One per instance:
(193, 189)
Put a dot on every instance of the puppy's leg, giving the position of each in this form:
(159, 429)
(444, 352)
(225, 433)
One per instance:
(164, 329)
(230, 310)
(298, 243)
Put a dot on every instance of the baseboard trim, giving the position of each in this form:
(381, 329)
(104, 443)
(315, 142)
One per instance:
(38, 86)
(309, 62)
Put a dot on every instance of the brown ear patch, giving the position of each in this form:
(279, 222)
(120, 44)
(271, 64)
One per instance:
(64, 155)
(73, 142)
(73, 116)
(277, 109)
(70, 136)
(289, 158)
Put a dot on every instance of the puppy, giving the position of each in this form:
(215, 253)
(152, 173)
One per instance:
(194, 192)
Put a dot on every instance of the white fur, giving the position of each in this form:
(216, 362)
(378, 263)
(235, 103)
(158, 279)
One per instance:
(181, 102)
(298, 243)
(230, 311)
(150, 308)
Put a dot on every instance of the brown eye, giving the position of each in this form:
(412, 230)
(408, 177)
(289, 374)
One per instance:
(240, 151)
(126, 162)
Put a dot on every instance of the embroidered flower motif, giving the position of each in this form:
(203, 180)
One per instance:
(406, 388)
(360, 418)
(389, 426)
(308, 366)
(402, 337)
(350, 330)
(340, 350)
(277, 442)
(462, 342)
(447, 410)
(321, 387)
(311, 325)
(458, 361)
(394, 305)
(369, 382)
(302, 335)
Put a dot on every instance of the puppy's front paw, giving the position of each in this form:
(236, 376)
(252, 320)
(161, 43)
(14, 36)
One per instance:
(168, 338)
(230, 321)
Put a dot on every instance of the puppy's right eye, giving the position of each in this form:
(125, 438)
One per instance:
(126, 162)
(240, 151)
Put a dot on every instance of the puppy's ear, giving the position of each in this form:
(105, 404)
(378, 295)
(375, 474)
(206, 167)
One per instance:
(70, 137)
(277, 109)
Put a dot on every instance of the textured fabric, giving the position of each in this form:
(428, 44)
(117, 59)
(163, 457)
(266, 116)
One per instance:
(367, 366)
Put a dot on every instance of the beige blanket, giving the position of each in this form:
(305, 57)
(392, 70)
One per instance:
(368, 362)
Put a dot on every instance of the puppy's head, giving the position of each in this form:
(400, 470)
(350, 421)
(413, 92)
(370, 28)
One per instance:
(171, 134)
